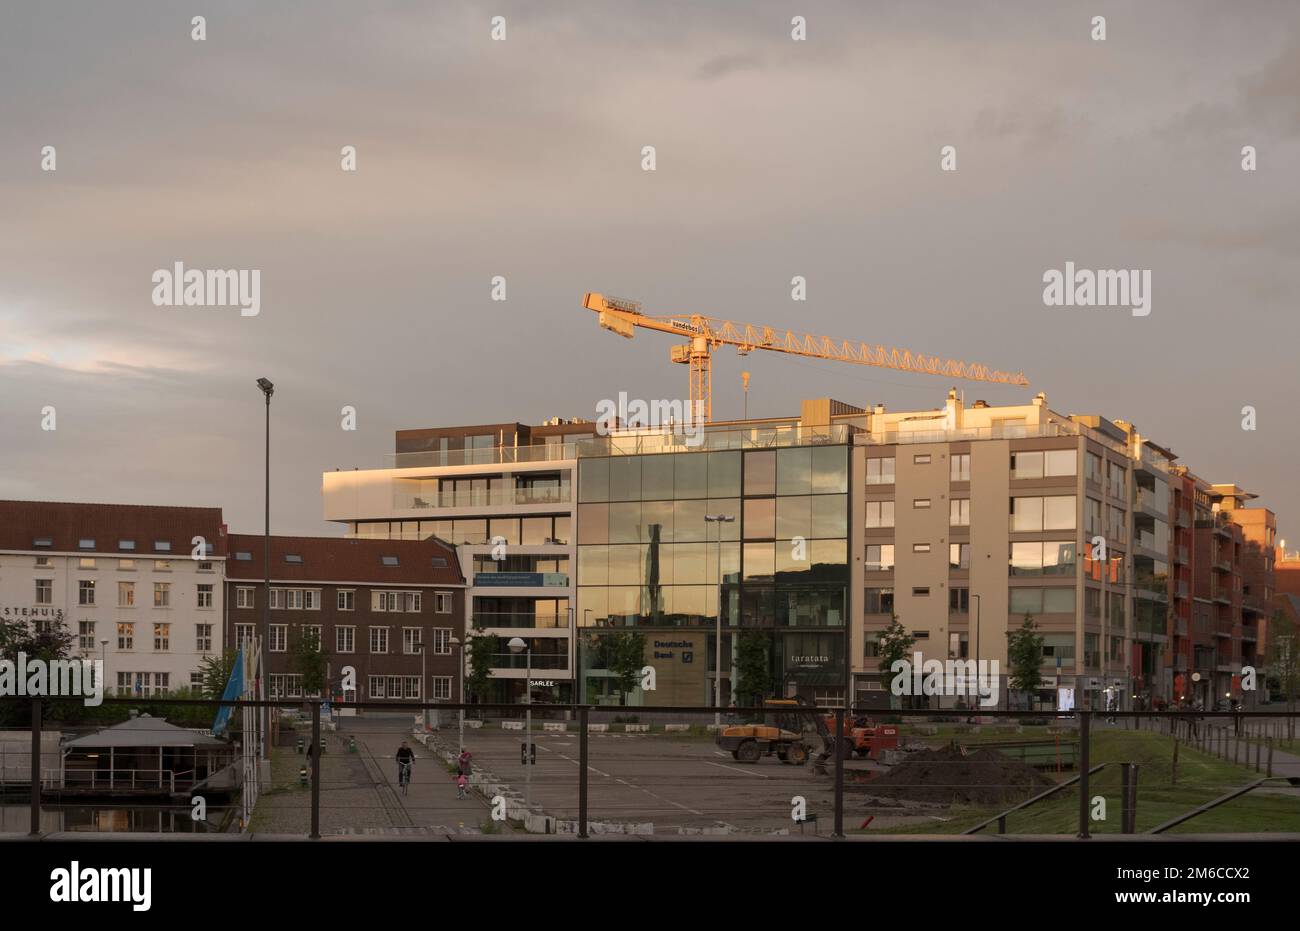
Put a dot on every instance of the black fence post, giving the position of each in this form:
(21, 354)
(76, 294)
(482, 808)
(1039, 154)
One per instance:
(839, 773)
(582, 771)
(1124, 776)
(36, 767)
(1085, 718)
(315, 771)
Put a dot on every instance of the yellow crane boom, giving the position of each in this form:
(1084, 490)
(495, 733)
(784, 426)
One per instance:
(705, 334)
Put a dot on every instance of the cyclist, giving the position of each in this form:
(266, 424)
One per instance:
(405, 757)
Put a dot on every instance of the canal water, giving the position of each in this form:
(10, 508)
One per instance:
(16, 817)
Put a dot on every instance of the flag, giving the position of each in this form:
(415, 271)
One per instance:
(234, 686)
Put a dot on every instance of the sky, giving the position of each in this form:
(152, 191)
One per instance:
(522, 158)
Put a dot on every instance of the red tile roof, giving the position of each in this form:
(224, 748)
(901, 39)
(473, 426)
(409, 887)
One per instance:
(339, 559)
(65, 524)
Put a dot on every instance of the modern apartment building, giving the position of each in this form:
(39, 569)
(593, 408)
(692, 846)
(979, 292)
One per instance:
(502, 495)
(390, 612)
(960, 520)
(138, 586)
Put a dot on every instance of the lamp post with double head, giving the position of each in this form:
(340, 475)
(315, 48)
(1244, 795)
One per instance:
(518, 645)
(459, 649)
(718, 519)
(268, 389)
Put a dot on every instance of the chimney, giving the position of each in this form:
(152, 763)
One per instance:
(880, 408)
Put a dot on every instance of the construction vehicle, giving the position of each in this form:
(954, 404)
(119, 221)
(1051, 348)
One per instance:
(704, 334)
(780, 732)
(864, 738)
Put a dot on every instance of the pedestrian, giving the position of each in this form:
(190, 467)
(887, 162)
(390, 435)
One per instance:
(464, 764)
(461, 786)
(310, 752)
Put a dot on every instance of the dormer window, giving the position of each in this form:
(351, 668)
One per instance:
(43, 542)
(86, 544)
(126, 544)
(389, 560)
(294, 558)
(162, 546)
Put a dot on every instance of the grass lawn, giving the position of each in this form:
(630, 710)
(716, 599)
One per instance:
(1200, 779)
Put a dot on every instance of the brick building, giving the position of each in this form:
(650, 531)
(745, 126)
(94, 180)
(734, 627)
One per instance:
(372, 603)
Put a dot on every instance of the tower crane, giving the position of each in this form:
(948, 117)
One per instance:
(704, 334)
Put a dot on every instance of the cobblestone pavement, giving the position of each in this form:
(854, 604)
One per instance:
(349, 802)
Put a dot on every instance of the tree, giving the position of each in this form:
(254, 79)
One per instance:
(1024, 657)
(47, 642)
(624, 653)
(753, 666)
(482, 650)
(308, 660)
(216, 673)
(1284, 654)
(895, 644)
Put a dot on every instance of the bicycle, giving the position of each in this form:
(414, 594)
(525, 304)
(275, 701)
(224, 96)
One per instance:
(404, 776)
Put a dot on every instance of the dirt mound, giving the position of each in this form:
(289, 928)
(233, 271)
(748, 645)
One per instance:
(949, 777)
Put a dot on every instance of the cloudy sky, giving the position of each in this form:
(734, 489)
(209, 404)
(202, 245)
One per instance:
(522, 158)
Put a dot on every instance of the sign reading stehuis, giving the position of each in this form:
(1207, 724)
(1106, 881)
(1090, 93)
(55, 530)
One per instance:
(44, 613)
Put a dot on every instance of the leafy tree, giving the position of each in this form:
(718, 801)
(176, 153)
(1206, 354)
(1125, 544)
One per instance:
(482, 649)
(753, 666)
(216, 673)
(895, 644)
(624, 653)
(1284, 658)
(308, 659)
(1024, 657)
(50, 642)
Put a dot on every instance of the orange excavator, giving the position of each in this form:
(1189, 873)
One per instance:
(782, 728)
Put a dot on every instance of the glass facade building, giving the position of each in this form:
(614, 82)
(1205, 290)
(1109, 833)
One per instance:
(648, 559)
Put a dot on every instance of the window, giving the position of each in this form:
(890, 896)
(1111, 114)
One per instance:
(921, 459)
(162, 637)
(311, 635)
(243, 556)
(393, 686)
(44, 591)
(85, 544)
(1092, 602)
(126, 594)
(441, 640)
(439, 562)
(959, 555)
(959, 468)
(880, 601)
(345, 639)
(1051, 558)
(279, 637)
(196, 682)
(1091, 516)
(389, 560)
(411, 641)
(959, 512)
(379, 640)
(126, 565)
(442, 602)
(205, 596)
(920, 503)
(86, 635)
(959, 600)
(880, 471)
(127, 545)
(42, 561)
(920, 547)
(1031, 515)
(880, 558)
(44, 541)
(244, 597)
(162, 594)
(86, 592)
(395, 601)
(144, 684)
(921, 592)
(162, 546)
(311, 599)
(1116, 483)
(442, 688)
(203, 637)
(86, 562)
(205, 567)
(126, 636)
(162, 565)
(880, 513)
(244, 633)
(347, 600)
(1092, 467)
(286, 685)
(293, 559)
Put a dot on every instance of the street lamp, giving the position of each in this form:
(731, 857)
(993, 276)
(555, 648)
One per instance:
(718, 519)
(268, 389)
(582, 679)
(460, 686)
(517, 646)
(424, 696)
(978, 692)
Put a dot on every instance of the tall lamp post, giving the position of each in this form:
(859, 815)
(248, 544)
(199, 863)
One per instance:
(424, 679)
(268, 389)
(978, 694)
(718, 519)
(517, 646)
(460, 685)
(582, 679)
(103, 664)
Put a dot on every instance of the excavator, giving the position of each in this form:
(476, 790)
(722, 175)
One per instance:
(781, 732)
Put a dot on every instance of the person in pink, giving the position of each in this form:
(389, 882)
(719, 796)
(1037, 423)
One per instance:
(461, 786)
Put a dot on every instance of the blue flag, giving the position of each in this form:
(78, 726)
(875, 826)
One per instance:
(234, 686)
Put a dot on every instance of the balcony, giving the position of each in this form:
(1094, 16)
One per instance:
(1180, 663)
(1180, 627)
(521, 580)
(1180, 556)
(1149, 503)
(1180, 589)
(496, 455)
(502, 619)
(1184, 518)
(409, 495)
(1249, 635)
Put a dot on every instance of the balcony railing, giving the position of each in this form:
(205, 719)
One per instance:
(1180, 555)
(521, 579)
(487, 619)
(406, 497)
(542, 661)
(496, 455)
